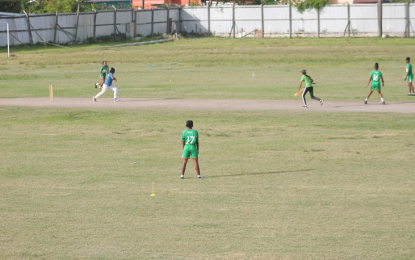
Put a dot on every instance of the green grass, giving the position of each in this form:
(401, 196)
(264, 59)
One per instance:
(212, 68)
(279, 185)
(76, 183)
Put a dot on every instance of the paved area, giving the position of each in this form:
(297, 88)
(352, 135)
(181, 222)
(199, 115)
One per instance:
(213, 104)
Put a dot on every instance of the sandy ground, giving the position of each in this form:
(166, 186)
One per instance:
(213, 104)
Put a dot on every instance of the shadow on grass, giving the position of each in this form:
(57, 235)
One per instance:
(256, 173)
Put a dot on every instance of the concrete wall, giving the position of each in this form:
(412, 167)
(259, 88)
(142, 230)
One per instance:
(285, 21)
(227, 21)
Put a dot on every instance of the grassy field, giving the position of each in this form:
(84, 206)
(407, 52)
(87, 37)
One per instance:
(212, 68)
(76, 183)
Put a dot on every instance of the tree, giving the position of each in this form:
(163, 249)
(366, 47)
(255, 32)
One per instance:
(45, 6)
(311, 4)
(266, 2)
(11, 6)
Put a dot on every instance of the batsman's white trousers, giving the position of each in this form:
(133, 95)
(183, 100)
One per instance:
(104, 89)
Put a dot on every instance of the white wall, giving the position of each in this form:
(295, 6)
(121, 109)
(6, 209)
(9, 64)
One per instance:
(273, 20)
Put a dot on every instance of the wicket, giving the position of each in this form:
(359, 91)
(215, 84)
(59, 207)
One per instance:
(51, 93)
(153, 194)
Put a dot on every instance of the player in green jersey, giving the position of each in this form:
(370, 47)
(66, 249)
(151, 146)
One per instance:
(409, 77)
(308, 81)
(103, 73)
(190, 145)
(376, 77)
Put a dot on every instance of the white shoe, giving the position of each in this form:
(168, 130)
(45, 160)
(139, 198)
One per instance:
(383, 102)
(117, 99)
(200, 176)
(305, 106)
(94, 99)
(321, 102)
(181, 176)
(365, 102)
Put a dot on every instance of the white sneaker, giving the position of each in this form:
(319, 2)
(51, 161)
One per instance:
(321, 102)
(117, 99)
(181, 176)
(383, 102)
(200, 176)
(94, 99)
(365, 102)
(305, 106)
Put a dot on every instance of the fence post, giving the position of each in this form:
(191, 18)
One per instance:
(56, 27)
(77, 23)
(209, 17)
(167, 21)
(380, 18)
(262, 20)
(28, 28)
(152, 22)
(115, 23)
(348, 20)
(142, 4)
(318, 23)
(233, 19)
(407, 27)
(135, 23)
(95, 25)
(291, 19)
(180, 20)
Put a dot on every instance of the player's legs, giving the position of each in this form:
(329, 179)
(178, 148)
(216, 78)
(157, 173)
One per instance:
(380, 94)
(102, 80)
(104, 89)
(303, 97)
(312, 94)
(185, 158)
(196, 163)
(115, 89)
(410, 87)
(381, 97)
(183, 167)
(368, 95)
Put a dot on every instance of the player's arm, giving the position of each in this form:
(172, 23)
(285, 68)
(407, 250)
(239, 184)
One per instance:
(182, 144)
(301, 83)
(383, 83)
(311, 79)
(197, 146)
(114, 78)
(370, 79)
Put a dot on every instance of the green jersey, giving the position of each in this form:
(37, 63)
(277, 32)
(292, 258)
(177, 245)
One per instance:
(190, 137)
(306, 80)
(376, 76)
(104, 70)
(409, 69)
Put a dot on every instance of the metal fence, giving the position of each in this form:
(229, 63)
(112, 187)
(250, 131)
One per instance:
(226, 21)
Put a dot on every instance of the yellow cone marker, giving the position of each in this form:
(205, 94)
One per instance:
(153, 194)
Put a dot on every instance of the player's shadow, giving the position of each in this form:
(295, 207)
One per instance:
(256, 173)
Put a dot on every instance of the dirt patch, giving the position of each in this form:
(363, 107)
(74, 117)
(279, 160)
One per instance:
(212, 104)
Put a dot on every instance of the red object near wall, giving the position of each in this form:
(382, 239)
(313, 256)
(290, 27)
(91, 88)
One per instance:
(149, 4)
